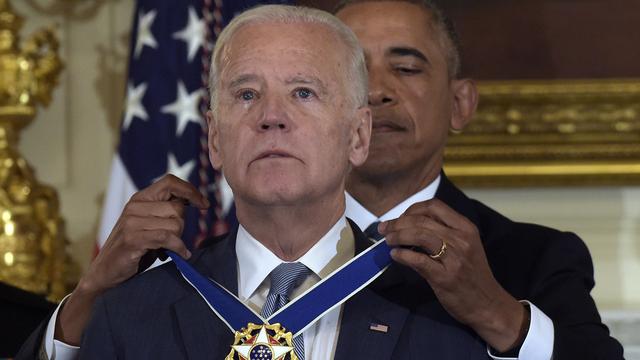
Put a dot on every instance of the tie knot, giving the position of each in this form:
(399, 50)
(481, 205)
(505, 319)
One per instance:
(372, 231)
(286, 277)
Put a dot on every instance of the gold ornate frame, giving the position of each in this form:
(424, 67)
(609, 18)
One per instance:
(556, 132)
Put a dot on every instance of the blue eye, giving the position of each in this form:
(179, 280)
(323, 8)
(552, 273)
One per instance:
(304, 93)
(247, 95)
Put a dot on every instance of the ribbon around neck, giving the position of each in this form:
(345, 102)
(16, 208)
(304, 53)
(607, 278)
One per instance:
(304, 310)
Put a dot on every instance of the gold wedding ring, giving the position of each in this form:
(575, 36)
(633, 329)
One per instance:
(440, 253)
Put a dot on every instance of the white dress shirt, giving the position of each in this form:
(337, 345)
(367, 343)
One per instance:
(56, 349)
(538, 345)
(255, 263)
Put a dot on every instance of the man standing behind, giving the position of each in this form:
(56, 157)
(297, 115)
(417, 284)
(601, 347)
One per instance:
(485, 261)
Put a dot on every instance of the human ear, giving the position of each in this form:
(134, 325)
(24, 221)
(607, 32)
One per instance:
(213, 134)
(360, 137)
(465, 103)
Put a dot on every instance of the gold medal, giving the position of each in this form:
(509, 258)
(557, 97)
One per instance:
(262, 342)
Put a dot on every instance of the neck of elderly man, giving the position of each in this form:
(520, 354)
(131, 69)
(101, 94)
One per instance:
(289, 230)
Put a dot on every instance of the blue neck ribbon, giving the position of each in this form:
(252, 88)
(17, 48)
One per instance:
(307, 308)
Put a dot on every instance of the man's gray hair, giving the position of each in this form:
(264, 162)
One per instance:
(356, 70)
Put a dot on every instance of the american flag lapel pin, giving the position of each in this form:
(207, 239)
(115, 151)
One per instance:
(379, 327)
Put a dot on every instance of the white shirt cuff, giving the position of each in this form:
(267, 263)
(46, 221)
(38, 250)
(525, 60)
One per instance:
(55, 349)
(538, 345)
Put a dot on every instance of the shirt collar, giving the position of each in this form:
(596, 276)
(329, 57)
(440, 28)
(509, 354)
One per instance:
(363, 217)
(255, 261)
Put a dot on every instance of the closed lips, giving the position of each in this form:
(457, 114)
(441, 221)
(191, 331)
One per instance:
(385, 125)
(273, 154)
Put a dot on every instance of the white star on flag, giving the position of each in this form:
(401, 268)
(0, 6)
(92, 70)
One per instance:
(185, 108)
(134, 107)
(262, 339)
(169, 45)
(145, 36)
(192, 34)
(182, 171)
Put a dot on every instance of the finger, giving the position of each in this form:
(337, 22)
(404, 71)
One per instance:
(137, 243)
(171, 187)
(150, 257)
(421, 263)
(166, 240)
(161, 209)
(416, 237)
(421, 228)
(136, 223)
(441, 212)
(412, 221)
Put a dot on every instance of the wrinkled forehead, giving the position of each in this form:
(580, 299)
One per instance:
(300, 50)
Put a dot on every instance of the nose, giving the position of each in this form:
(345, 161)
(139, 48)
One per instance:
(380, 90)
(274, 116)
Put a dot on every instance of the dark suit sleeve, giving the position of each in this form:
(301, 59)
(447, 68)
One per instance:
(562, 291)
(24, 317)
(32, 348)
(97, 339)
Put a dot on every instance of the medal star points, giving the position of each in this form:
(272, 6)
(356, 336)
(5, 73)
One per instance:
(262, 346)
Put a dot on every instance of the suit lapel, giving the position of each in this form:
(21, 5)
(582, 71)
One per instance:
(203, 334)
(200, 330)
(456, 199)
(371, 325)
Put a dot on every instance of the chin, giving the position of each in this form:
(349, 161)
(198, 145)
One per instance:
(377, 165)
(275, 200)
(274, 195)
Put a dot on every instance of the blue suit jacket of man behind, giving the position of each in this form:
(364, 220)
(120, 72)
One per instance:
(157, 315)
(550, 268)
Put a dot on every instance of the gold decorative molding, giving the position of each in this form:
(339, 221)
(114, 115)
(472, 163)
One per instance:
(560, 132)
(73, 9)
(110, 84)
(32, 238)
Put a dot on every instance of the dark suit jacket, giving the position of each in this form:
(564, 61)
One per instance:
(20, 313)
(157, 315)
(552, 269)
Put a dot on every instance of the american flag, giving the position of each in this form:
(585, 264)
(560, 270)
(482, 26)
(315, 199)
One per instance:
(166, 98)
(379, 327)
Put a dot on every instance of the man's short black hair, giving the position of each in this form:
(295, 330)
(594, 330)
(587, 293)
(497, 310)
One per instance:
(440, 22)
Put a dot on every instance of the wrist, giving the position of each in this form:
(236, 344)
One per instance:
(87, 288)
(514, 350)
(75, 312)
(504, 325)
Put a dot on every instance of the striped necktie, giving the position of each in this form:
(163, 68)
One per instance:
(284, 279)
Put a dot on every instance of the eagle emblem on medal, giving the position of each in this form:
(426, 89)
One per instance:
(262, 342)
